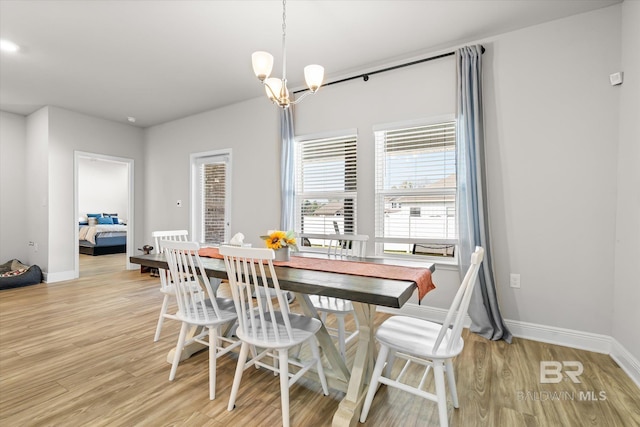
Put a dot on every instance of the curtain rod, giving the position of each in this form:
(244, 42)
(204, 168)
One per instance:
(365, 76)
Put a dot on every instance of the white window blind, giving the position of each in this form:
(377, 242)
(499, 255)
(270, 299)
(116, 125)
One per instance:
(416, 189)
(326, 185)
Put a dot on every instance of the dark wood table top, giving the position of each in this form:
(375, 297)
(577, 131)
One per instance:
(369, 290)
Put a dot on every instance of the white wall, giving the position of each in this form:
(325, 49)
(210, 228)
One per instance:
(13, 200)
(102, 187)
(626, 303)
(551, 138)
(251, 130)
(37, 188)
(70, 132)
(552, 134)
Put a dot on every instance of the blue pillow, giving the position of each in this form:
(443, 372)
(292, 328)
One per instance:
(105, 220)
(94, 215)
(115, 220)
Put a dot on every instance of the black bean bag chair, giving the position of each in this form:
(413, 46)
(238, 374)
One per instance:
(14, 274)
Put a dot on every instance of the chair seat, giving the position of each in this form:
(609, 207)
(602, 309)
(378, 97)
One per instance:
(302, 328)
(225, 306)
(331, 304)
(416, 337)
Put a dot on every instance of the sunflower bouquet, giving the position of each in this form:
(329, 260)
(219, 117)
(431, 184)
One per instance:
(277, 239)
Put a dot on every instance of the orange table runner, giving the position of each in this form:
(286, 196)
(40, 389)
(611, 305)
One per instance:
(422, 276)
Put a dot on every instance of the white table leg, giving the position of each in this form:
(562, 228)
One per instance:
(338, 375)
(349, 410)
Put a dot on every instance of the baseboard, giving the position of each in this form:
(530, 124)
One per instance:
(560, 336)
(626, 361)
(550, 334)
(59, 277)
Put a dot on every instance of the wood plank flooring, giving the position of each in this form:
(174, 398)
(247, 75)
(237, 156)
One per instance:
(81, 353)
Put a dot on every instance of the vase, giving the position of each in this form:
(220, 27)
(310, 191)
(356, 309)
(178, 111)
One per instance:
(282, 254)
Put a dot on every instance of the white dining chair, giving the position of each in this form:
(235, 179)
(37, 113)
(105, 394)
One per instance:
(166, 287)
(268, 325)
(341, 246)
(424, 343)
(198, 307)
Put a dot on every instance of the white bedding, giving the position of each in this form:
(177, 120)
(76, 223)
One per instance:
(88, 232)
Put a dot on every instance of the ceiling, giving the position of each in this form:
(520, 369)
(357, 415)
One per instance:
(161, 60)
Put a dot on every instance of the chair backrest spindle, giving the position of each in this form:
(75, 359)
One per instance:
(170, 235)
(250, 272)
(460, 304)
(191, 283)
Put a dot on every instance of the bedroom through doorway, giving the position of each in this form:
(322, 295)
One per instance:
(104, 213)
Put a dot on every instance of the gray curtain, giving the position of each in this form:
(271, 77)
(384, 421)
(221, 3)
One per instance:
(287, 202)
(472, 209)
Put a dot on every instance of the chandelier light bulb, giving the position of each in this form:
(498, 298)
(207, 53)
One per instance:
(262, 64)
(313, 75)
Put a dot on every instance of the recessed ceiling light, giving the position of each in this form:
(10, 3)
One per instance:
(8, 46)
(131, 119)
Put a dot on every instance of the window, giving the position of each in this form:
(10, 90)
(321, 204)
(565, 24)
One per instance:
(416, 189)
(210, 195)
(325, 190)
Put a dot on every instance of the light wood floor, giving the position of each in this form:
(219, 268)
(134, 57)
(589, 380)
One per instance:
(81, 353)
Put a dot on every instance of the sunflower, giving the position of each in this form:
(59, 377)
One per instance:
(280, 239)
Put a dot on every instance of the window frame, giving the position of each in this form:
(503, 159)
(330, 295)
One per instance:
(380, 194)
(299, 196)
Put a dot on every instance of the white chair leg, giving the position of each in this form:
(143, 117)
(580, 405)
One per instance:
(441, 392)
(178, 350)
(242, 359)
(390, 360)
(163, 311)
(284, 385)
(377, 370)
(451, 376)
(213, 344)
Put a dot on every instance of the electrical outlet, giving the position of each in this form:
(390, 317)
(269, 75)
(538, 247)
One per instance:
(514, 280)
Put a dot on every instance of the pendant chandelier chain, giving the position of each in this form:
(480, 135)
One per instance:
(284, 40)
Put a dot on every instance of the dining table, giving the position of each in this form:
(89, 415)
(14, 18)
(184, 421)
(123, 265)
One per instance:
(367, 282)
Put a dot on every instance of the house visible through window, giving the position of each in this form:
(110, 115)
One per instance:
(416, 189)
(325, 191)
(210, 188)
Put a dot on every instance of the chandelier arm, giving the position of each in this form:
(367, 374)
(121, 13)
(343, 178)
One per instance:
(303, 96)
(270, 90)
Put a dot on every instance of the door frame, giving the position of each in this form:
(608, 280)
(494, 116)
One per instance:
(77, 155)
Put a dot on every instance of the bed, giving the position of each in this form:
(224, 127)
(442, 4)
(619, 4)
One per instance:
(101, 236)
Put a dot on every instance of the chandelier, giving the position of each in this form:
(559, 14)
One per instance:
(277, 88)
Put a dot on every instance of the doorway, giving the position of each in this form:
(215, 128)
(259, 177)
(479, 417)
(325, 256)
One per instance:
(103, 185)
